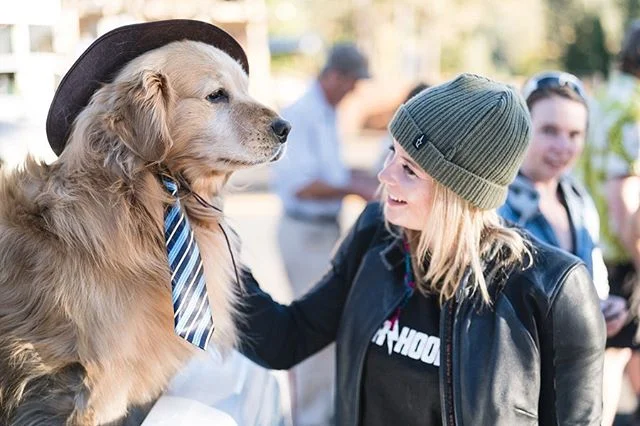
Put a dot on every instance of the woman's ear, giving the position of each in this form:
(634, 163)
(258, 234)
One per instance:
(140, 112)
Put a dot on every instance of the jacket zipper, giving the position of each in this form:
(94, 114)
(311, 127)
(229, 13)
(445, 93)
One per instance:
(448, 330)
(449, 410)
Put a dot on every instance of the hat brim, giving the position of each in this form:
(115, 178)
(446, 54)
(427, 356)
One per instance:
(109, 53)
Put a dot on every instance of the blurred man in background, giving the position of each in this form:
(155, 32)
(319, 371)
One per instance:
(311, 180)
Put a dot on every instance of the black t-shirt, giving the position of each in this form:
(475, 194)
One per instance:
(400, 380)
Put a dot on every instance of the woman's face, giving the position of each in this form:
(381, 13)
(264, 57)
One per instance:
(408, 190)
(559, 130)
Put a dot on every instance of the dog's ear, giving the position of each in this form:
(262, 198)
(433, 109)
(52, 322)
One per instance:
(140, 113)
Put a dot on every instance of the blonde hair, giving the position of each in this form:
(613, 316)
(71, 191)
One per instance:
(460, 238)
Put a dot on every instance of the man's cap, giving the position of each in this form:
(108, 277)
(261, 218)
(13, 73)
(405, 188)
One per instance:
(101, 61)
(347, 59)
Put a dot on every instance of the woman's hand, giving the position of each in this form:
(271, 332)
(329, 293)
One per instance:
(615, 312)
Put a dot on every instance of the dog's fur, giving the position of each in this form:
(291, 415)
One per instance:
(86, 321)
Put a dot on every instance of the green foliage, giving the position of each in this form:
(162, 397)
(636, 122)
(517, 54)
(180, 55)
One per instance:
(630, 10)
(509, 37)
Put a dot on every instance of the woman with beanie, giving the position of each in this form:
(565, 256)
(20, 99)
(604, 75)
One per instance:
(440, 314)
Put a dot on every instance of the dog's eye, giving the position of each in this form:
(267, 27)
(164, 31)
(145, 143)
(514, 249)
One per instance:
(219, 95)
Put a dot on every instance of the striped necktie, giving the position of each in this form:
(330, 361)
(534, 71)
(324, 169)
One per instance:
(192, 316)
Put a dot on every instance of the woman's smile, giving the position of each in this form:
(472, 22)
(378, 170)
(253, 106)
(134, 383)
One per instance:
(395, 201)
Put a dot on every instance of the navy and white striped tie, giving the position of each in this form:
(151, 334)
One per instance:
(192, 315)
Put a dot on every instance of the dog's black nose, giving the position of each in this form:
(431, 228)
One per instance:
(281, 128)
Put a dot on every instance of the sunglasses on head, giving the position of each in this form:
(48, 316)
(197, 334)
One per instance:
(554, 79)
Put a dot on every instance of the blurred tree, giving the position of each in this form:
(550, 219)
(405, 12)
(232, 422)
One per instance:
(560, 18)
(630, 10)
(428, 40)
(588, 53)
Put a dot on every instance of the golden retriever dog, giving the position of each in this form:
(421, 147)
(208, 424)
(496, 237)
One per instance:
(86, 317)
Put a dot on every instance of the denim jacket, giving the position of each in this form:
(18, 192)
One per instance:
(522, 208)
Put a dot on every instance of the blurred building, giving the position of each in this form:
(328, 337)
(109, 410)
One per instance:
(40, 39)
(35, 38)
(245, 20)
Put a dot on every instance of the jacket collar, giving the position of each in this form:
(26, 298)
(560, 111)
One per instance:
(392, 253)
(524, 199)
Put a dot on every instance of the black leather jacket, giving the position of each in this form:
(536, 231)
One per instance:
(534, 357)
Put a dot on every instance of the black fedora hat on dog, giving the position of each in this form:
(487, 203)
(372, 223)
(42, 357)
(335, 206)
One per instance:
(108, 54)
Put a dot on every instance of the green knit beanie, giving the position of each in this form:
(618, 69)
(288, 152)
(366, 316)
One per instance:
(470, 134)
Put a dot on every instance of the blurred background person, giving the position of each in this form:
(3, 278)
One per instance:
(311, 181)
(613, 176)
(552, 205)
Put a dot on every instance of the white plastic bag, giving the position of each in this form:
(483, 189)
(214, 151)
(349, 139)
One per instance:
(177, 411)
(210, 388)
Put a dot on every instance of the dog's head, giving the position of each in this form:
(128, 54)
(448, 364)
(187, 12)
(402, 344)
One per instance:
(185, 106)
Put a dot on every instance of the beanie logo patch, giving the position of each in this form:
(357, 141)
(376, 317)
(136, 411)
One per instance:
(419, 142)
